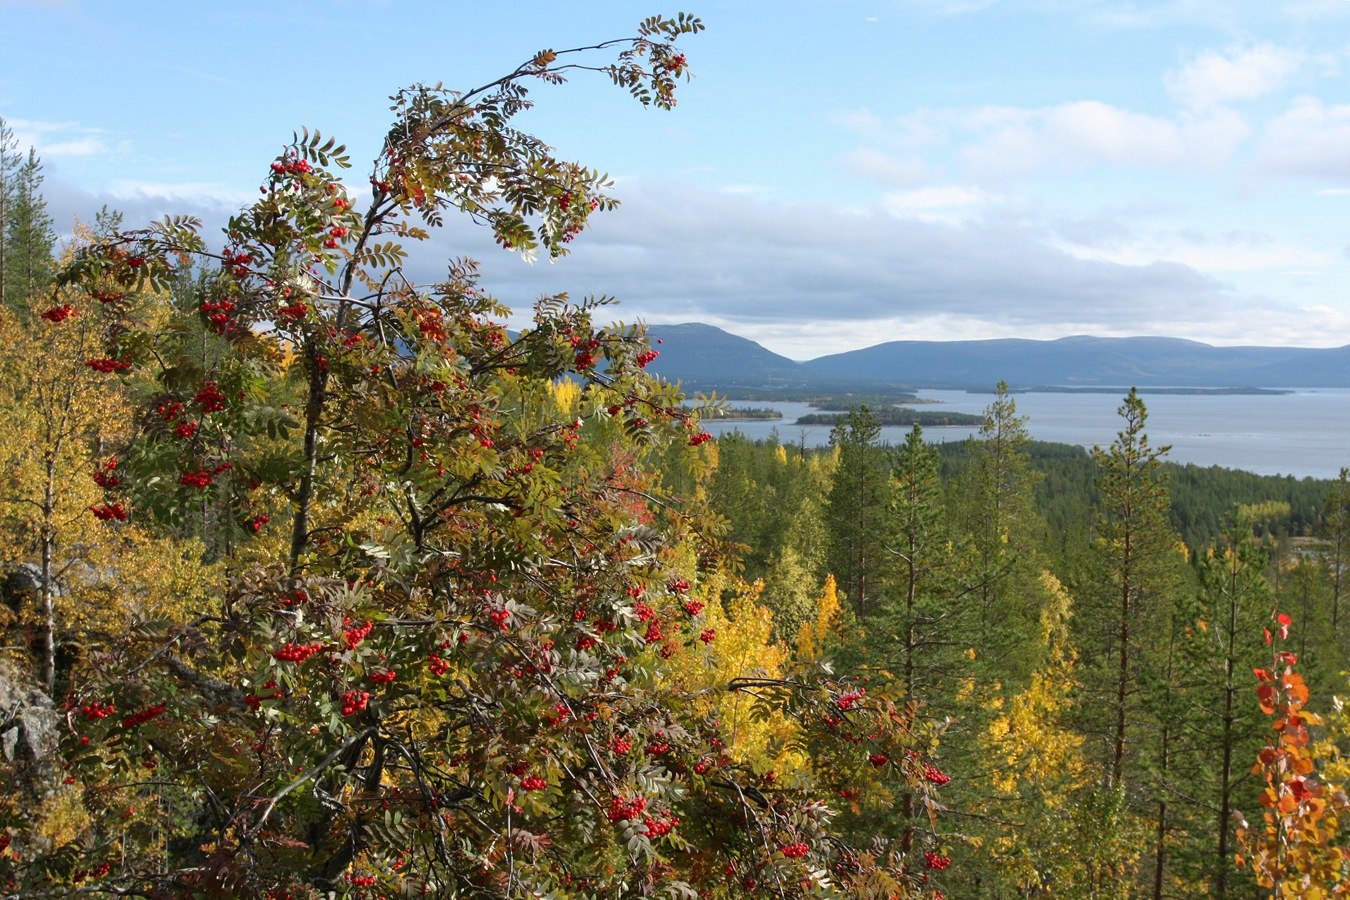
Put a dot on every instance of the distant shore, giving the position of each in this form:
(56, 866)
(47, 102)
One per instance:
(1195, 391)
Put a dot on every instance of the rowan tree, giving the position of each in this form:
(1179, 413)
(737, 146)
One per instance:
(453, 672)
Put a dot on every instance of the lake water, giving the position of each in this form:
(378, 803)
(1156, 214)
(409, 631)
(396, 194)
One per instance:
(1302, 433)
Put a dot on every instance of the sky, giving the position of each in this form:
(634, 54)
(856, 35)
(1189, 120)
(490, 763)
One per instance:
(838, 173)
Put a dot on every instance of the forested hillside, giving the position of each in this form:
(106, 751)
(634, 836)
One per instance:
(318, 582)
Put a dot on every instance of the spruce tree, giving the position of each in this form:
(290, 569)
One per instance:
(28, 237)
(855, 507)
(10, 160)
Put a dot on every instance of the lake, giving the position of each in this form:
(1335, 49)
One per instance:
(1302, 433)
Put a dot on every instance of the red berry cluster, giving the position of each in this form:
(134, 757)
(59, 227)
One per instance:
(209, 398)
(60, 313)
(620, 746)
(109, 511)
(626, 810)
(107, 364)
(646, 356)
(708, 636)
(795, 851)
(363, 880)
(932, 861)
(878, 759)
(237, 263)
(105, 477)
(257, 522)
(143, 716)
(702, 437)
(97, 871)
(353, 636)
(294, 312)
(291, 166)
(217, 312)
(354, 701)
(108, 296)
(502, 618)
(659, 827)
(694, 607)
(533, 783)
(678, 586)
(436, 665)
(846, 701)
(296, 653)
(93, 711)
(935, 775)
(383, 677)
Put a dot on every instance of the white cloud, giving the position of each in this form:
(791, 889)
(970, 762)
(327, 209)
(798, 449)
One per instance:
(1238, 74)
(1310, 139)
(58, 138)
(184, 192)
(1008, 143)
(941, 203)
(876, 165)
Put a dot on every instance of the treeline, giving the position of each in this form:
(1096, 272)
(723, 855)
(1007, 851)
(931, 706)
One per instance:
(1082, 626)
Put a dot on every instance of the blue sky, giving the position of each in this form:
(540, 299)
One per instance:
(838, 173)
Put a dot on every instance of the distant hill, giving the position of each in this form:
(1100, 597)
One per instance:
(705, 358)
(1090, 361)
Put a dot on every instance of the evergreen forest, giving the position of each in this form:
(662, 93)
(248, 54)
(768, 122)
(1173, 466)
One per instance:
(319, 582)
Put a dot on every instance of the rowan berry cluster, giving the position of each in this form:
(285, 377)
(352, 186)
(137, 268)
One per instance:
(109, 511)
(795, 851)
(659, 827)
(209, 398)
(107, 364)
(105, 477)
(626, 810)
(645, 357)
(296, 653)
(533, 783)
(932, 860)
(354, 701)
(354, 635)
(93, 711)
(143, 716)
(60, 313)
(702, 437)
(935, 775)
(846, 701)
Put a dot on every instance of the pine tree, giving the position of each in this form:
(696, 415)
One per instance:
(855, 507)
(1224, 647)
(10, 161)
(28, 237)
(994, 499)
(1136, 549)
(1336, 531)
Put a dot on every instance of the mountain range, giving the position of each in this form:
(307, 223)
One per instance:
(706, 358)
